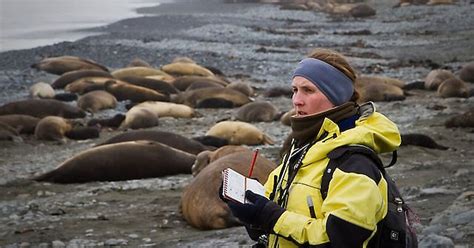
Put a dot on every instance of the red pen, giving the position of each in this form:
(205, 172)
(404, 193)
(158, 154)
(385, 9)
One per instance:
(255, 153)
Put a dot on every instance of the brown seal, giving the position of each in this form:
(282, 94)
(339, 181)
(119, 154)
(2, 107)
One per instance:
(374, 89)
(257, 112)
(139, 118)
(121, 161)
(184, 68)
(285, 118)
(239, 133)
(153, 84)
(22, 123)
(422, 140)
(242, 87)
(465, 119)
(163, 109)
(123, 91)
(52, 128)
(139, 71)
(191, 98)
(113, 121)
(63, 64)
(96, 100)
(206, 157)
(41, 108)
(200, 203)
(453, 87)
(467, 72)
(170, 139)
(436, 77)
(138, 62)
(72, 76)
(182, 83)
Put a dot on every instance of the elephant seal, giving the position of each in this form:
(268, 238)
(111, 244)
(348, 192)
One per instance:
(466, 73)
(183, 60)
(211, 141)
(206, 157)
(41, 90)
(191, 98)
(138, 62)
(123, 91)
(465, 119)
(23, 124)
(203, 84)
(72, 76)
(242, 87)
(239, 133)
(85, 84)
(96, 100)
(257, 112)
(453, 87)
(164, 109)
(153, 84)
(422, 140)
(371, 89)
(52, 128)
(121, 161)
(114, 121)
(182, 83)
(214, 103)
(436, 77)
(139, 118)
(9, 133)
(63, 64)
(138, 71)
(200, 203)
(180, 68)
(41, 108)
(278, 91)
(170, 139)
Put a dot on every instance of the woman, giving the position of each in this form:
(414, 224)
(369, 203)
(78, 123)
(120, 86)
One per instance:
(327, 117)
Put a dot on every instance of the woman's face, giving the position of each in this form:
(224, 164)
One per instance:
(307, 98)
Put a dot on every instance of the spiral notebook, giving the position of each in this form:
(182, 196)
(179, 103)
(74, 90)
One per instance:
(235, 184)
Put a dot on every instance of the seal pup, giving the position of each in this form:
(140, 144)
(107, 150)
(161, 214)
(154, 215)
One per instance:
(72, 76)
(242, 87)
(62, 64)
(121, 161)
(191, 98)
(41, 90)
(466, 73)
(137, 118)
(436, 77)
(465, 119)
(96, 100)
(180, 68)
(422, 140)
(23, 124)
(83, 133)
(52, 128)
(211, 141)
(170, 139)
(453, 87)
(373, 89)
(200, 203)
(183, 59)
(65, 97)
(85, 84)
(257, 112)
(285, 118)
(41, 108)
(124, 91)
(239, 133)
(203, 84)
(139, 62)
(278, 91)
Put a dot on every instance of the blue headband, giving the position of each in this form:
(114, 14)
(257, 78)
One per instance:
(335, 85)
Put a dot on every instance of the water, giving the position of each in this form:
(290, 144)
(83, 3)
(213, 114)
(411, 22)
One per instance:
(31, 23)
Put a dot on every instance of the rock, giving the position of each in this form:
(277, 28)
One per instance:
(58, 244)
(115, 242)
(435, 241)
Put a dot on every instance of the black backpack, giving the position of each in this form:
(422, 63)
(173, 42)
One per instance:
(395, 230)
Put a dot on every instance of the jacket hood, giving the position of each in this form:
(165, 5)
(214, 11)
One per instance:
(372, 129)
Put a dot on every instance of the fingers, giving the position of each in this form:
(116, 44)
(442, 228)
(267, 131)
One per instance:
(252, 197)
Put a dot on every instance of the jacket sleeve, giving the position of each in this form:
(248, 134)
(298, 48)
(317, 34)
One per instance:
(351, 210)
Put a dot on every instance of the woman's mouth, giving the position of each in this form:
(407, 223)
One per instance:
(301, 113)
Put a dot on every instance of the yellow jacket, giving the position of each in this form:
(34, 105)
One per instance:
(355, 201)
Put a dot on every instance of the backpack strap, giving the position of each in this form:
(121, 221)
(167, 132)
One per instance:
(341, 154)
